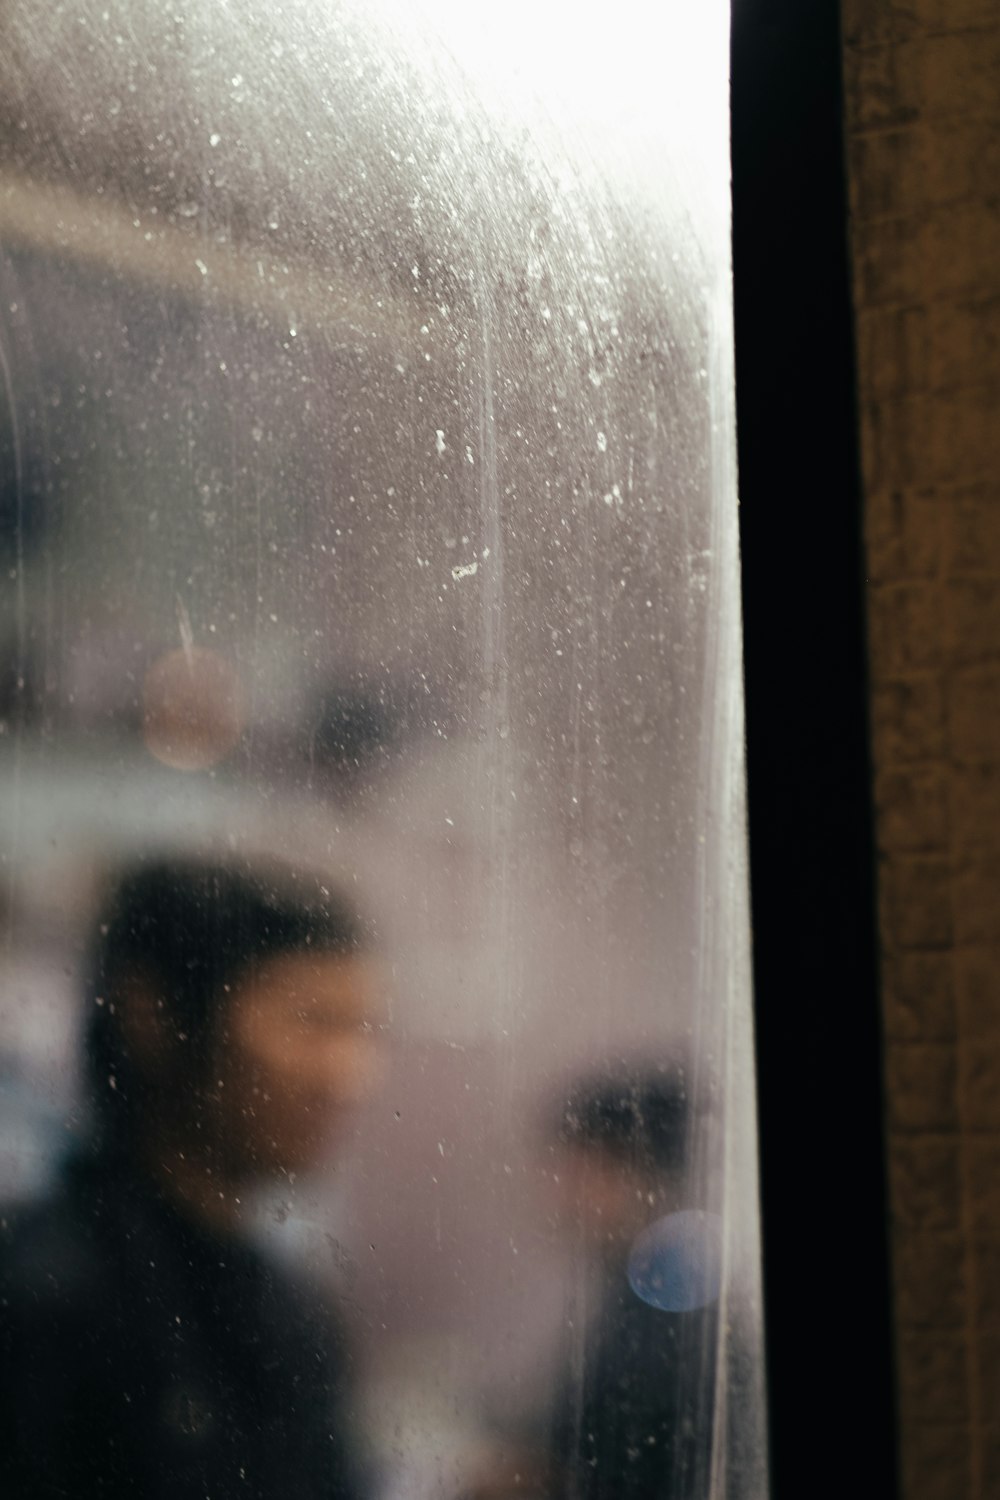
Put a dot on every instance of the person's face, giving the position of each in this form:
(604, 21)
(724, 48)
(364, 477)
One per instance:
(297, 1048)
(603, 1197)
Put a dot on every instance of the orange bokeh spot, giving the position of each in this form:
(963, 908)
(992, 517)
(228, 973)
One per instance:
(192, 708)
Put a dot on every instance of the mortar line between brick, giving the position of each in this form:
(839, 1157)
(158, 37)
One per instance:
(922, 34)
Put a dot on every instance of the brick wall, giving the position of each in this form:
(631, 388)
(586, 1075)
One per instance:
(922, 82)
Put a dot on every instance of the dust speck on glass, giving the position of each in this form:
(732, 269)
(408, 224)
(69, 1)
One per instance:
(377, 1117)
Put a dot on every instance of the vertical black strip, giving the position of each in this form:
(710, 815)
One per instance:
(826, 1278)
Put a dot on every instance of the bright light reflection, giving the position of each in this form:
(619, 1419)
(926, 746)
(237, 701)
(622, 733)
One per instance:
(641, 86)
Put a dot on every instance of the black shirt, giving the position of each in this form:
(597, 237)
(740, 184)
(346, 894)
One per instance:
(143, 1357)
(634, 1416)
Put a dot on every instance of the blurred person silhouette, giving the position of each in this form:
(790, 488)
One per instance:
(148, 1349)
(633, 1406)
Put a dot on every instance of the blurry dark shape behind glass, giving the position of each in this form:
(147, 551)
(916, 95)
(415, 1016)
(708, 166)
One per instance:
(147, 1349)
(358, 729)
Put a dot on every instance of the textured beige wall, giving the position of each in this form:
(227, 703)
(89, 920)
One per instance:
(922, 86)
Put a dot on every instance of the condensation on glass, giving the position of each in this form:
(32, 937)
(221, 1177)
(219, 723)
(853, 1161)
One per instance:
(368, 517)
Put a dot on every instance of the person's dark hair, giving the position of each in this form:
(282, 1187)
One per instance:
(191, 929)
(644, 1118)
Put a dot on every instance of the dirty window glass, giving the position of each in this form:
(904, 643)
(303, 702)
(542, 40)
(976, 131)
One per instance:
(377, 1115)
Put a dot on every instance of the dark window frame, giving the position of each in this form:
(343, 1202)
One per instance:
(812, 853)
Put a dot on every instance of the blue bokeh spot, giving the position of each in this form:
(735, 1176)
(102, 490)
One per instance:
(676, 1262)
